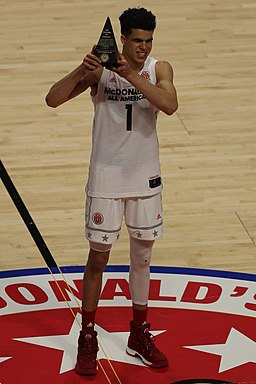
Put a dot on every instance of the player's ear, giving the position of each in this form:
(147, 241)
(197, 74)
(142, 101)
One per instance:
(123, 39)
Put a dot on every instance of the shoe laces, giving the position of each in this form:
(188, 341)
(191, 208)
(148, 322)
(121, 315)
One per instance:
(89, 343)
(148, 338)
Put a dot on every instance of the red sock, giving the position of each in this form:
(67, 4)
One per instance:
(88, 319)
(139, 316)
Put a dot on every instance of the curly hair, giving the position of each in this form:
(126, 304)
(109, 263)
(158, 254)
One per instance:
(137, 18)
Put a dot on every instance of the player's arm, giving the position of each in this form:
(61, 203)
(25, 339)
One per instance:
(86, 75)
(162, 95)
(164, 75)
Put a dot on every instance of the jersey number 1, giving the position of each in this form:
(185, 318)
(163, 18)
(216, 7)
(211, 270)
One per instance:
(128, 117)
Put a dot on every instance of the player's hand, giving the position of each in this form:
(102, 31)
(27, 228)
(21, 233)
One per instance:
(91, 61)
(124, 69)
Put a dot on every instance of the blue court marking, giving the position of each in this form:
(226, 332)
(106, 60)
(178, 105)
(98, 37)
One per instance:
(125, 268)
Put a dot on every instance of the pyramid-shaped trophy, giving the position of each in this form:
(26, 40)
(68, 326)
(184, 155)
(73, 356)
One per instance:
(106, 49)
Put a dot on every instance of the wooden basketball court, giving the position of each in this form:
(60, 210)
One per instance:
(208, 148)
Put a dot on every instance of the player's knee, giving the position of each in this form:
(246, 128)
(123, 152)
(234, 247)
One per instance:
(142, 262)
(96, 262)
(140, 252)
(98, 247)
(98, 259)
(146, 244)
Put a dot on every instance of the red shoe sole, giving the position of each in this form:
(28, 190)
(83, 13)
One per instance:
(133, 353)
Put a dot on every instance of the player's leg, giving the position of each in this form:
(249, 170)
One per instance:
(103, 219)
(139, 278)
(144, 223)
(103, 223)
(87, 343)
(92, 281)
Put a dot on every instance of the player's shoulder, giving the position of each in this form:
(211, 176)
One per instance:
(163, 64)
(163, 68)
(159, 65)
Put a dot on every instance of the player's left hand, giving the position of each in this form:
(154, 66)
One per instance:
(124, 69)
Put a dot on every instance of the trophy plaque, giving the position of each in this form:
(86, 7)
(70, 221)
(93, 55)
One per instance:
(106, 49)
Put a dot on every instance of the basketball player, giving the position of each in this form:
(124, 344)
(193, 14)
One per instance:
(124, 174)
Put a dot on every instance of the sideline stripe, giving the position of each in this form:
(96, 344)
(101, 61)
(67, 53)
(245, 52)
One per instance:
(125, 268)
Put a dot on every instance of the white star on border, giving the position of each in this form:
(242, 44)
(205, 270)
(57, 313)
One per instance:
(2, 359)
(238, 350)
(112, 345)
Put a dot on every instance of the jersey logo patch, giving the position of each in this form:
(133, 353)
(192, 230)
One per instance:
(145, 74)
(97, 218)
(153, 183)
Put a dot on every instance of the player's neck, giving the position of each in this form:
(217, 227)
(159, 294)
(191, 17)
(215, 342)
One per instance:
(135, 66)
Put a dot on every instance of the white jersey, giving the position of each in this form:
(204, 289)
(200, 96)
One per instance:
(125, 152)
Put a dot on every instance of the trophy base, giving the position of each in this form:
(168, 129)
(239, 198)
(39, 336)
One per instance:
(110, 65)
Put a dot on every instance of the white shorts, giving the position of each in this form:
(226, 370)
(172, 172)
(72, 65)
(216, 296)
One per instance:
(143, 217)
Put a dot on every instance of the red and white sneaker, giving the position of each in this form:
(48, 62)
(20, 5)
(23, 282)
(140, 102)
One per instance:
(141, 343)
(87, 353)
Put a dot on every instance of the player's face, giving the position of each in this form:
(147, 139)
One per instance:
(137, 46)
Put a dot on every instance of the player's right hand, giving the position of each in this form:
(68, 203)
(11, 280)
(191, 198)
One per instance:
(91, 61)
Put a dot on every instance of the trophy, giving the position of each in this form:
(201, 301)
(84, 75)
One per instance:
(106, 49)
